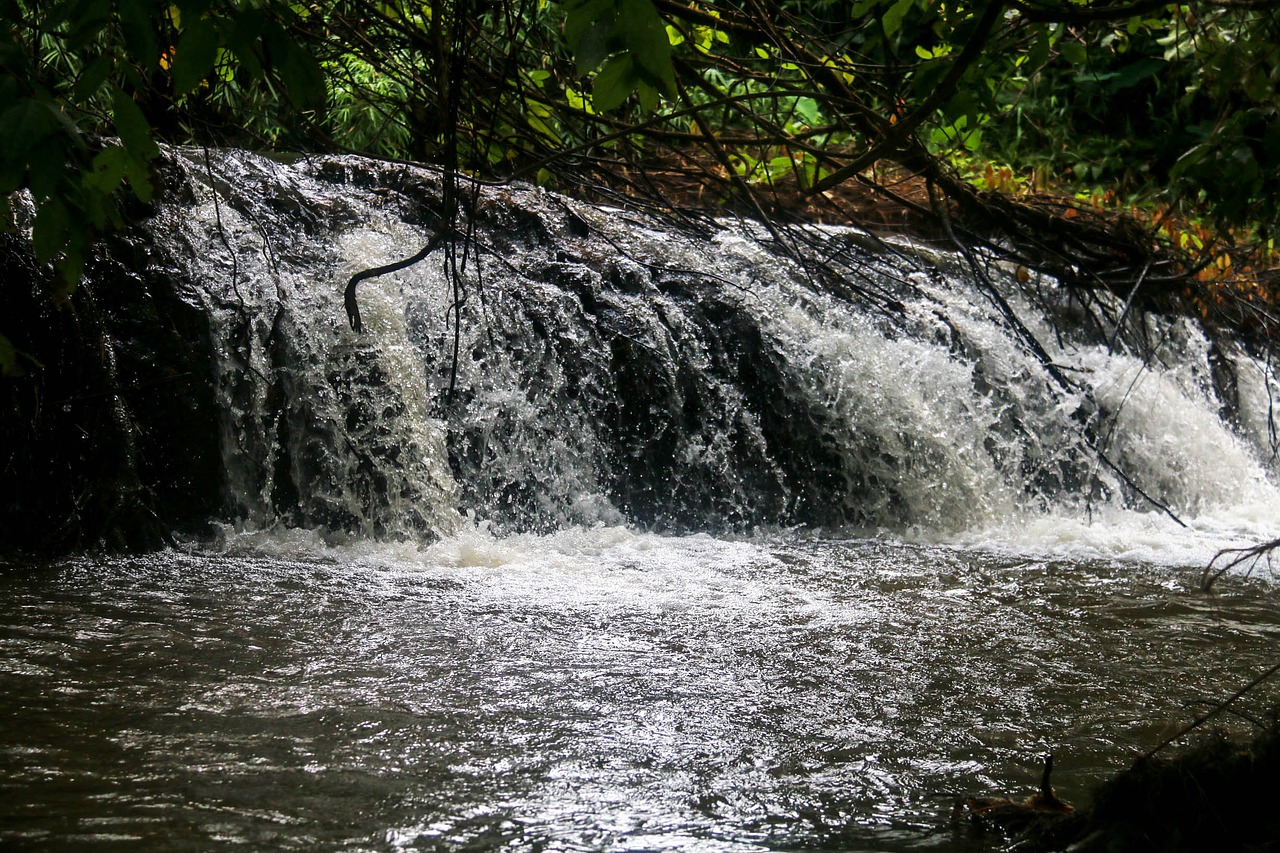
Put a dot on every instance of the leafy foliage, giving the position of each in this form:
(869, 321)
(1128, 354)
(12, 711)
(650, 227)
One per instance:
(739, 103)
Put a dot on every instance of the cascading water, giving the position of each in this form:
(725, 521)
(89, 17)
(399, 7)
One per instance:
(623, 538)
(586, 366)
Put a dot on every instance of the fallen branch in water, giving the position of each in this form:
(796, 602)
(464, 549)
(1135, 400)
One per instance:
(349, 295)
(1237, 557)
(1210, 714)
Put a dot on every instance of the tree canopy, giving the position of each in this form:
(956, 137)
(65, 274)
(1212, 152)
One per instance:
(960, 111)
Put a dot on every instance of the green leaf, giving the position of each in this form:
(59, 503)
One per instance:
(85, 21)
(10, 91)
(596, 44)
(1135, 73)
(92, 78)
(107, 170)
(927, 77)
(194, 55)
(961, 105)
(1259, 85)
(303, 77)
(26, 124)
(1074, 52)
(132, 126)
(71, 267)
(580, 15)
(779, 168)
(49, 234)
(1039, 52)
(645, 36)
(294, 66)
(246, 37)
(139, 179)
(136, 21)
(614, 83)
(892, 19)
(47, 169)
(11, 174)
(648, 96)
(9, 359)
(1271, 143)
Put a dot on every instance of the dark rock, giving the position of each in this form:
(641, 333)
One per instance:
(110, 438)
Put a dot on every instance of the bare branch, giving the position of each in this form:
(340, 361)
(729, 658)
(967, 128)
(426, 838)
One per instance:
(1234, 557)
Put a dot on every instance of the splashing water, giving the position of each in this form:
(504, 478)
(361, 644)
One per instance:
(592, 368)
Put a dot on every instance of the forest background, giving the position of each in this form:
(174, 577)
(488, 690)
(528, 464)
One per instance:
(1127, 147)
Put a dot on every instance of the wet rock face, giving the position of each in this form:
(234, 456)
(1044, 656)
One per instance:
(572, 364)
(110, 436)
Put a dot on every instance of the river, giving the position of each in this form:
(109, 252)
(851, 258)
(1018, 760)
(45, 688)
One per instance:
(592, 689)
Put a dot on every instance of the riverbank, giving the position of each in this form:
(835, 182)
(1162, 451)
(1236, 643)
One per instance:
(1216, 794)
(1228, 279)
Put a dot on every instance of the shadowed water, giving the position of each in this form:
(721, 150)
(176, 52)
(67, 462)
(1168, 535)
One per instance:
(589, 690)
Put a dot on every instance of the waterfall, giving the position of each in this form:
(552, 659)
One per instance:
(591, 365)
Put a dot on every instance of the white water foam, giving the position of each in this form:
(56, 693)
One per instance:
(933, 420)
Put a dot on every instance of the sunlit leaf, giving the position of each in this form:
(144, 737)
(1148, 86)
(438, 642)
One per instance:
(108, 169)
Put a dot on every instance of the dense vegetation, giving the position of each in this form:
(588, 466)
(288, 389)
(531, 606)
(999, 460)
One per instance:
(959, 114)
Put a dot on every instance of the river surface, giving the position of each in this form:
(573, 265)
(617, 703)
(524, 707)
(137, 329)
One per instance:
(593, 689)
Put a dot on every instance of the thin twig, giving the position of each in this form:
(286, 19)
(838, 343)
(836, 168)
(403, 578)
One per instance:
(1210, 714)
(1250, 555)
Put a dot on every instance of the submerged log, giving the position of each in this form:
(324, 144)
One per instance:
(1015, 817)
(1219, 795)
